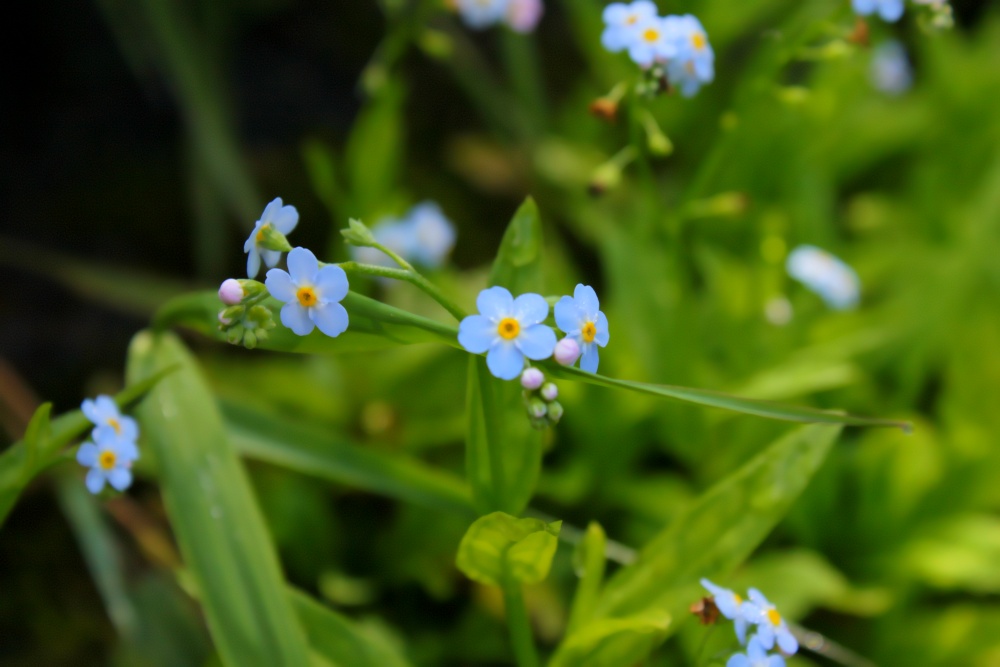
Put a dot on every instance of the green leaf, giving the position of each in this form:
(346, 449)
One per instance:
(373, 326)
(716, 399)
(721, 528)
(45, 439)
(613, 642)
(589, 562)
(518, 265)
(314, 451)
(213, 512)
(341, 642)
(374, 151)
(499, 548)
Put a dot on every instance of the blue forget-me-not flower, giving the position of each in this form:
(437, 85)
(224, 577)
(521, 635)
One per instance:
(889, 10)
(833, 280)
(109, 458)
(425, 236)
(755, 656)
(622, 22)
(771, 627)
(741, 612)
(311, 294)
(110, 424)
(652, 43)
(508, 330)
(693, 61)
(581, 318)
(277, 216)
(479, 14)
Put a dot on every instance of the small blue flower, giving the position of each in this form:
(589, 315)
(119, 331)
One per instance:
(890, 69)
(733, 607)
(581, 318)
(833, 280)
(433, 234)
(771, 627)
(311, 294)
(110, 424)
(622, 22)
(755, 656)
(282, 219)
(693, 62)
(509, 330)
(109, 459)
(652, 43)
(479, 14)
(889, 10)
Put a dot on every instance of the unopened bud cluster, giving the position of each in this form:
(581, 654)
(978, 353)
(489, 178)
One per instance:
(244, 321)
(540, 399)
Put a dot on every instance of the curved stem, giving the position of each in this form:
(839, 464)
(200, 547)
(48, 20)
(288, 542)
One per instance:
(406, 274)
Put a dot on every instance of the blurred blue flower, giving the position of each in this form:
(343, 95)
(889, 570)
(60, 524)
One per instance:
(425, 236)
(755, 656)
(652, 43)
(733, 607)
(394, 234)
(109, 459)
(890, 69)
(622, 22)
(509, 330)
(889, 10)
(771, 627)
(311, 294)
(110, 424)
(580, 317)
(479, 14)
(282, 219)
(693, 62)
(833, 280)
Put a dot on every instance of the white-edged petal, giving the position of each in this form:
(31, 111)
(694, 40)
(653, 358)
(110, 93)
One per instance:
(331, 281)
(331, 318)
(495, 303)
(504, 360)
(530, 309)
(296, 318)
(302, 266)
(87, 454)
(537, 341)
(280, 285)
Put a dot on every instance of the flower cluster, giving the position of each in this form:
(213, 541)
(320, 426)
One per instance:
(519, 15)
(424, 236)
(833, 280)
(113, 449)
(540, 399)
(892, 10)
(509, 330)
(759, 613)
(677, 43)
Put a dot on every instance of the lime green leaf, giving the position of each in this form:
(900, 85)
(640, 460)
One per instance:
(613, 642)
(341, 642)
(373, 326)
(518, 265)
(374, 151)
(589, 562)
(499, 547)
(213, 512)
(314, 451)
(716, 399)
(721, 528)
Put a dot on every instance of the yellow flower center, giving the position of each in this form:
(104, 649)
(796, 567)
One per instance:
(260, 232)
(116, 425)
(588, 332)
(774, 616)
(631, 20)
(509, 328)
(107, 459)
(651, 34)
(698, 41)
(306, 297)
(737, 598)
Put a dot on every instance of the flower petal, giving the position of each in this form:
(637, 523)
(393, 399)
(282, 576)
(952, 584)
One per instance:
(87, 454)
(586, 299)
(758, 598)
(106, 408)
(120, 478)
(95, 481)
(568, 316)
(786, 641)
(738, 660)
(296, 318)
(537, 342)
(302, 266)
(285, 219)
(331, 281)
(755, 651)
(253, 262)
(331, 318)
(270, 210)
(130, 429)
(280, 285)
(270, 257)
(476, 333)
(603, 335)
(505, 361)
(495, 303)
(776, 661)
(89, 409)
(590, 358)
(531, 309)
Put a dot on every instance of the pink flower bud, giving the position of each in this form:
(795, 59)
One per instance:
(550, 392)
(532, 379)
(231, 292)
(567, 351)
(524, 15)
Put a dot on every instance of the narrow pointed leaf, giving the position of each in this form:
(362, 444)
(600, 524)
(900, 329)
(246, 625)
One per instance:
(612, 642)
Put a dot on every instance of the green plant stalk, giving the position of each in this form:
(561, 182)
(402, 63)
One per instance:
(521, 61)
(497, 476)
(519, 625)
(409, 275)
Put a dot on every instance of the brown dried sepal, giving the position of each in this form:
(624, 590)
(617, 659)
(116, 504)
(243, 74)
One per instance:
(706, 611)
(605, 109)
(861, 35)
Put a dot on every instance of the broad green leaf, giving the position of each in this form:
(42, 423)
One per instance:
(341, 642)
(518, 265)
(45, 439)
(500, 548)
(213, 512)
(588, 561)
(721, 528)
(374, 151)
(373, 326)
(314, 451)
(716, 399)
(613, 642)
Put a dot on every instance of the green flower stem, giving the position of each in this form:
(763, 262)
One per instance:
(493, 430)
(519, 625)
(407, 274)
